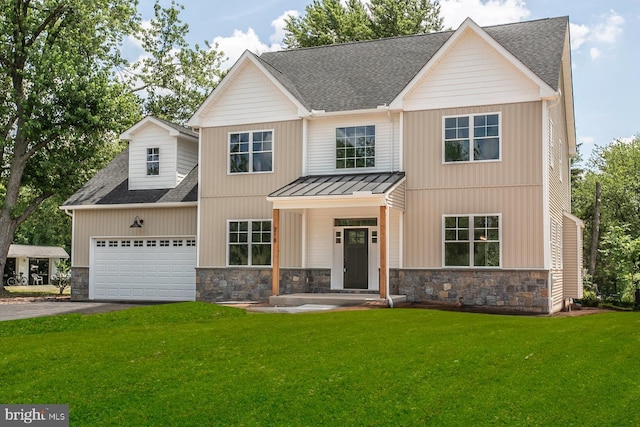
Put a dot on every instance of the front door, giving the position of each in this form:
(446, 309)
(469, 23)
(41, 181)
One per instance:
(356, 258)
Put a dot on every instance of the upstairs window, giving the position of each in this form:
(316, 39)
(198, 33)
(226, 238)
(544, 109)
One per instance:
(472, 138)
(251, 152)
(153, 161)
(356, 147)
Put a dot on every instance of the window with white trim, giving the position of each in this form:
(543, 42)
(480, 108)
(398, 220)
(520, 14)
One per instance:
(471, 138)
(251, 152)
(355, 147)
(249, 242)
(472, 241)
(153, 161)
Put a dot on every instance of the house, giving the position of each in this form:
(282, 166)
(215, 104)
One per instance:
(433, 166)
(26, 260)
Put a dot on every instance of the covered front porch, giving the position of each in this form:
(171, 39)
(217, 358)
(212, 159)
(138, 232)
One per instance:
(350, 225)
(335, 299)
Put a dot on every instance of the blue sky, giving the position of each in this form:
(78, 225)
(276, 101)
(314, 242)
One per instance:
(605, 38)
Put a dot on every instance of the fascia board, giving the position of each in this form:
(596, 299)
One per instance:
(160, 205)
(340, 201)
(545, 90)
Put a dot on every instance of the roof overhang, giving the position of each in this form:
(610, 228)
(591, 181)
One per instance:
(128, 134)
(337, 191)
(160, 205)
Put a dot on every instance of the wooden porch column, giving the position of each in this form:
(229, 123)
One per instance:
(383, 252)
(275, 283)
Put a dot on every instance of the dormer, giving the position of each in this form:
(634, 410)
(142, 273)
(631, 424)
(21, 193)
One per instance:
(161, 153)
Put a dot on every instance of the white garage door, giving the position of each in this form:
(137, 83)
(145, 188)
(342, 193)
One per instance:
(149, 269)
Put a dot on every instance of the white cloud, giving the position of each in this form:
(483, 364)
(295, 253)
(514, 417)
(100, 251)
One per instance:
(235, 45)
(579, 35)
(595, 53)
(610, 30)
(491, 12)
(278, 26)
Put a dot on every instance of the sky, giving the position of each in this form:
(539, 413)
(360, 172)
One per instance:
(605, 50)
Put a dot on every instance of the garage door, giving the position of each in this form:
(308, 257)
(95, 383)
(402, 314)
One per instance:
(158, 269)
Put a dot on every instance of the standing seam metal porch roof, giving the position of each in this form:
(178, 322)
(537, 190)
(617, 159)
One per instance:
(340, 185)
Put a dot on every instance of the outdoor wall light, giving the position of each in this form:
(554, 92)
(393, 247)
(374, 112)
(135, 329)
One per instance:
(137, 222)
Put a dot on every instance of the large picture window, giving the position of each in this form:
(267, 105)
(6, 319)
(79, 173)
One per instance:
(251, 152)
(356, 147)
(472, 241)
(249, 243)
(153, 161)
(472, 138)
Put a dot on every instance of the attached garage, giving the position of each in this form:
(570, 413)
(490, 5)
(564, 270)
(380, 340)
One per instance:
(143, 269)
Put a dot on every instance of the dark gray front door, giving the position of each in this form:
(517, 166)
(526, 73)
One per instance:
(356, 258)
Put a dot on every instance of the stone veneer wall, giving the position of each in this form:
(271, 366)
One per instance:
(499, 290)
(79, 283)
(254, 284)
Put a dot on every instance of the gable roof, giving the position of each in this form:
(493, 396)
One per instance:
(110, 186)
(341, 77)
(172, 128)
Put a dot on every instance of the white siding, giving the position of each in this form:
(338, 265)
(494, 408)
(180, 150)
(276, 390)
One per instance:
(152, 137)
(249, 98)
(321, 149)
(320, 234)
(471, 73)
(187, 158)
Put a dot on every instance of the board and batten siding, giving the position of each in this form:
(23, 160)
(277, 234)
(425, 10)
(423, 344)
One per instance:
(249, 97)
(152, 137)
(321, 148)
(511, 187)
(471, 72)
(572, 256)
(216, 212)
(158, 222)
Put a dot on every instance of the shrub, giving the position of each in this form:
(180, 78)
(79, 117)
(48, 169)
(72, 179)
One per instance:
(62, 278)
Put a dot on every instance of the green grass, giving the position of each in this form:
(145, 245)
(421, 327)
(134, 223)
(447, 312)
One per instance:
(195, 364)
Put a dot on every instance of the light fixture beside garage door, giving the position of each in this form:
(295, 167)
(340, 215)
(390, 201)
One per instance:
(137, 222)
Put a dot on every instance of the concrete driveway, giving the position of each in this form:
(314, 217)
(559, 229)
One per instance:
(25, 310)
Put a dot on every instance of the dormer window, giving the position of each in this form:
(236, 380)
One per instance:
(153, 161)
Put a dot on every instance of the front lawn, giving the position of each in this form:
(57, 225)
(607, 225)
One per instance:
(195, 364)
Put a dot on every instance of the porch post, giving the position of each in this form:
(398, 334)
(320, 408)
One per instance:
(383, 252)
(275, 283)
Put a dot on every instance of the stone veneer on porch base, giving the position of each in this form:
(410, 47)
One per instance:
(499, 290)
(254, 284)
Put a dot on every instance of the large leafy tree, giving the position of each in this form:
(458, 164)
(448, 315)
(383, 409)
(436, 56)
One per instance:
(617, 168)
(330, 21)
(66, 93)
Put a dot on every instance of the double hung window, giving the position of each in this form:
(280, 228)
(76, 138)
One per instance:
(472, 241)
(472, 138)
(355, 147)
(153, 161)
(251, 152)
(249, 242)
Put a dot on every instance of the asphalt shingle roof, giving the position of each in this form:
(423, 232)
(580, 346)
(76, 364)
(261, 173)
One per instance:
(365, 75)
(110, 186)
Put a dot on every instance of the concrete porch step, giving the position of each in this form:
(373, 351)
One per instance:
(338, 299)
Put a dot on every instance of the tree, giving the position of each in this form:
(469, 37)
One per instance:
(617, 168)
(172, 78)
(329, 21)
(64, 100)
